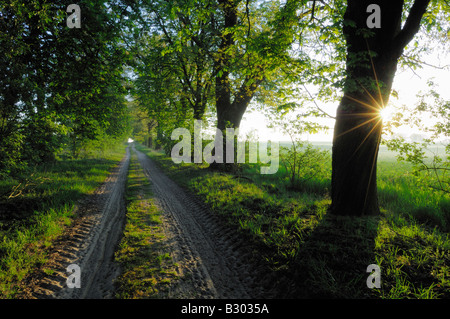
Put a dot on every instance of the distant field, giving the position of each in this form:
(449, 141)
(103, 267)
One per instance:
(400, 191)
(384, 153)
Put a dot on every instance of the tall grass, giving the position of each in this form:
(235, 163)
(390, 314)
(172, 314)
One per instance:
(406, 194)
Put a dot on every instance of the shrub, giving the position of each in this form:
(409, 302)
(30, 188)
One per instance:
(303, 162)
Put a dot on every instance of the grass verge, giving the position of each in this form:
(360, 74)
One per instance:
(323, 256)
(147, 268)
(36, 207)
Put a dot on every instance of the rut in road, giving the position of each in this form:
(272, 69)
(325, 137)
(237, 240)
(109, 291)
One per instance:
(213, 261)
(214, 258)
(89, 243)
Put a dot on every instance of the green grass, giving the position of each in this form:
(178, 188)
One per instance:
(402, 192)
(324, 255)
(147, 268)
(37, 206)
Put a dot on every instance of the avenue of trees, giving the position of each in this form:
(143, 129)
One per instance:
(61, 87)
(221, 55)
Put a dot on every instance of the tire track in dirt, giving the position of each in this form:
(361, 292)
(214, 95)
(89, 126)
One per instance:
(213, 261)
(214, 258)
(90, 243)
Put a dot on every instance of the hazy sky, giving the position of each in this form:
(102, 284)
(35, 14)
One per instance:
(407, 83)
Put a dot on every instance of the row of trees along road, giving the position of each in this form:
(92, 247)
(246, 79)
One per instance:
(193, 58)
(195, 55)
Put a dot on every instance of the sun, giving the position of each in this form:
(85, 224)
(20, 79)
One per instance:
(387, 113)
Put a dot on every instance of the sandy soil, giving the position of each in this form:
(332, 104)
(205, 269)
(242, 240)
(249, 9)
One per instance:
(212, 259)
(90, 243)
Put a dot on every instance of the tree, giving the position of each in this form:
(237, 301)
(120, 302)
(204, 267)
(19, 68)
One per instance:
(159, 90)
(142, 127)
(22, 67)
(254, 50)
(174, 46)
(55, 80)
(88, 83)
(372, 57)
(216, 52)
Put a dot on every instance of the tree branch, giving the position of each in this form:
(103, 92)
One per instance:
(247, 89)
(412, 24)
(314, 101)
(312, 11)
(425, 63)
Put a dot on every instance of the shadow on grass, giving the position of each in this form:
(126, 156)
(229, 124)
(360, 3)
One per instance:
(332, 261)
(332, 253)
(53, 185)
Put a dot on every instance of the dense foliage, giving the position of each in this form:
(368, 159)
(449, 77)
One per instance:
(60, 87)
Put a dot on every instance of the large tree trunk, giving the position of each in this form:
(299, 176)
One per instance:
(354, 161)
(371, 66)
(227, 118)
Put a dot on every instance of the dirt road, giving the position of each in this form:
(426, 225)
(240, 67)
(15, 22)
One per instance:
(207, 251)
(89, 243)
(211, 258)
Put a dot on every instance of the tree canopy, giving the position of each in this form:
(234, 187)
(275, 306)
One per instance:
(59, 84)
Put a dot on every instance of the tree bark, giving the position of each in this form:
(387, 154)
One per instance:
(371, 66)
